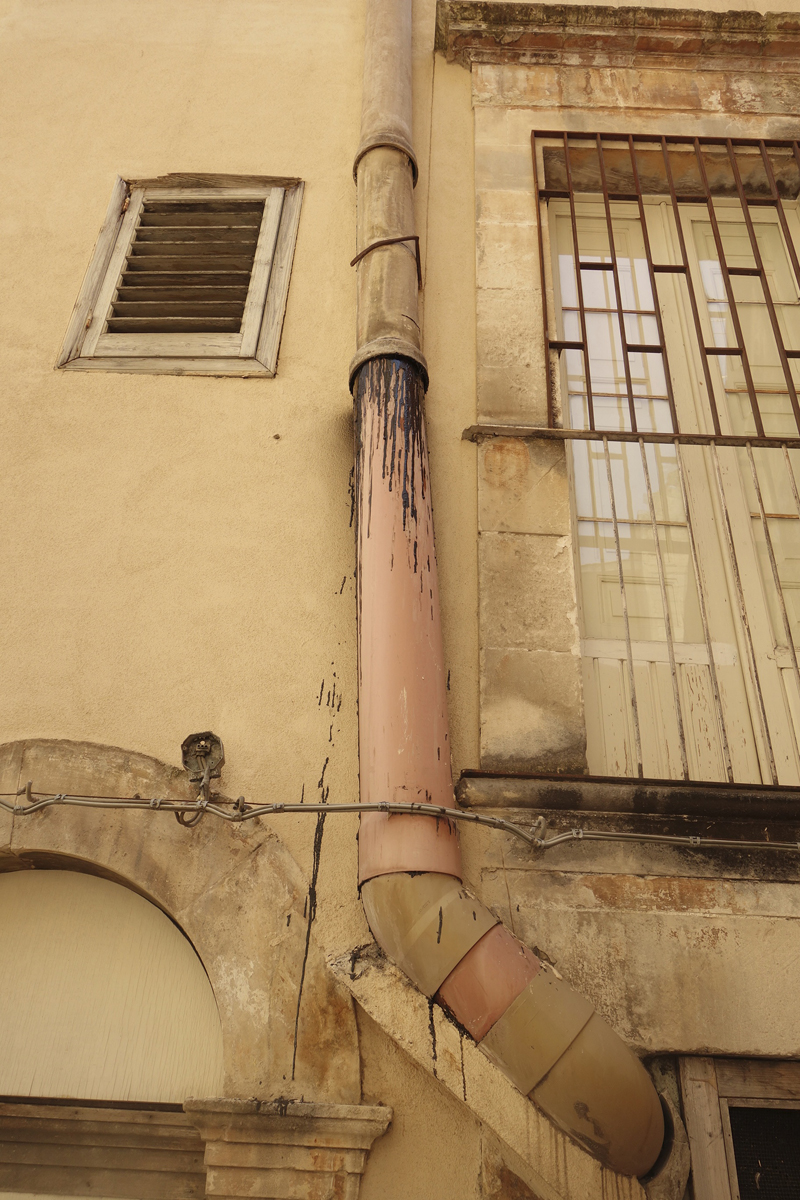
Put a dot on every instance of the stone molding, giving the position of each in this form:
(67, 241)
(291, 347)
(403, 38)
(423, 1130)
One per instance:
(237, 895)
(285, 1149)
(487, 31)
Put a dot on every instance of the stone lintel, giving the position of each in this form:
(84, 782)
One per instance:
(491, 31)
(271, 1149)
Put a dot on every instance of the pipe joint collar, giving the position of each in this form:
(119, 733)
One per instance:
(388, 347)
(394, 141)
(536, 1029)
(425, 923)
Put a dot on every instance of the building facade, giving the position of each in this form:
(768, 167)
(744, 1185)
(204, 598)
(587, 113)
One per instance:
(575, 230)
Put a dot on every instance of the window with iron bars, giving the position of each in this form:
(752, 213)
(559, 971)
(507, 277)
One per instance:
(672, 330)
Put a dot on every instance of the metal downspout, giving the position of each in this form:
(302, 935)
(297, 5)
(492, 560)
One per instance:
(546, 1037)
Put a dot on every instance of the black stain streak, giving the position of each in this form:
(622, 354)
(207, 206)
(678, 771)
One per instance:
(448, 681)
(463, 1074)
(432, 1027)
(356, 955)
(351, 487)
(311, 909)
(389, 413)
(321, 690)
(439, 930)
(344, 577)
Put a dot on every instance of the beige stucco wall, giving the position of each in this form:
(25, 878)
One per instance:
(185, 544)
(178, 553)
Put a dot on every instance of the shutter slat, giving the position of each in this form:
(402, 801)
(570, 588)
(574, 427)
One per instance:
(193, 249)
(174, 324)
(179, 308)
(189, 279)
(189, 295)
(177, 262)
(166, 234)
(188, 268)
(205, 206)
(230, 220)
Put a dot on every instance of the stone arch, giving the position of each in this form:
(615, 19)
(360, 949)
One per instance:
(110, 1000)
(235, 892)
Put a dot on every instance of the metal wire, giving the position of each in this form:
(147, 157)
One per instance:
(239, 811)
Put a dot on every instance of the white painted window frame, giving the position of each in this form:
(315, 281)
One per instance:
(251, 352)
(710, 1088)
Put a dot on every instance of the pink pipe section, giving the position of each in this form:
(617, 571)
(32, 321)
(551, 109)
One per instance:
(403, 735)
(541, 1033)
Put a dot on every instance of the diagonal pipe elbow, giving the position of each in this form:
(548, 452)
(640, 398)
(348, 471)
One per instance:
(539, 1031)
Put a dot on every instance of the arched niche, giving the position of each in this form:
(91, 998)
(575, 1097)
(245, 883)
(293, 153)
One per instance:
(109, 999)
(236, 893)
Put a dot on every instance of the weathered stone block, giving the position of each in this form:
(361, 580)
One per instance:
(490, 126)
(509, 326)
(527, 592)
(503, 167)
(513, 394)
(507, 256)
(506, 206)
(532, 711)
(523, 486)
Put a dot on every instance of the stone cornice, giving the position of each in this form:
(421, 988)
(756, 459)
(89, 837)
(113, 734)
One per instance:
(492, 31)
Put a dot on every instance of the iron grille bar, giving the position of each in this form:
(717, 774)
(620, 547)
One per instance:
(762, 275)
(662, 581)
(540, 219)
(625, 620)
(626, 362)
(701, 598)
(775, 576)
(726, 279)
(698, 328)
(653, 284)
(474, 433)
(751, 655)
(776, 200)
(579, 285)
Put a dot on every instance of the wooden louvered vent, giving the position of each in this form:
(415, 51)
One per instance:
(189, 277)
(188, 268)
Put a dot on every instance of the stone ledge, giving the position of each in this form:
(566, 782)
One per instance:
(487, 789)
(271, 1149)
(491, 31)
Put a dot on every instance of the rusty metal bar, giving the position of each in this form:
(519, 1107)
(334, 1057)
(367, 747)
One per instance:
(743, 614)
(762, 275)
(690, 286)
(701, 600)
(781, 211)
(626, 364)
(676, 694)
(579, 286)
(732, 307)
(653, 285)
(628, 648)
(473, 433)
(548, 344)
(777, 581)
